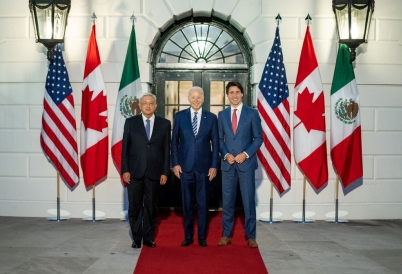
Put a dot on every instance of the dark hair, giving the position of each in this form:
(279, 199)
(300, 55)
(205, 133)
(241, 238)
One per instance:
(234, 84)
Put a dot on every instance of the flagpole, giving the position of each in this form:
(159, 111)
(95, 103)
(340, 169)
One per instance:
(337, 220)
(303, 219)
(271, 205)
(58, 218)
(93, 218)
(336, 197)
(93, 204)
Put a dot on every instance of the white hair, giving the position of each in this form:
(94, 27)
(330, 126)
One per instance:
(147, 94)
(196, 88)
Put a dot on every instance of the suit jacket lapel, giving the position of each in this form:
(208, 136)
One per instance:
(242, 118)
(141, 127)
(202, 118)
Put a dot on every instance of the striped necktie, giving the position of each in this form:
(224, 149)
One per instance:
(195, 124)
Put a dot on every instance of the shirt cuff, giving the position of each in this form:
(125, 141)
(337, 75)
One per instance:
(246, 154)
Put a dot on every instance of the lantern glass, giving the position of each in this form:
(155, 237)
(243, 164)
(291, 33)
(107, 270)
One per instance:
(353, 19)
(51, 21)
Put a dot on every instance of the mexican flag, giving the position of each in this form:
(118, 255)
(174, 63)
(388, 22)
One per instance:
(346, 141)
(127, 103)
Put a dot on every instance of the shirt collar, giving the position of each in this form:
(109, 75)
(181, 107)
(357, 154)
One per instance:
(145, 118)
(192, 111)
(239, 108)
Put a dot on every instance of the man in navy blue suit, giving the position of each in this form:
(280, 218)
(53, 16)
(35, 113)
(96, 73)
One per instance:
(240, 136)
(195, 159)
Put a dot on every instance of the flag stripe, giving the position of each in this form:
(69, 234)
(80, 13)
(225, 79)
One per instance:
(66, 172)
(60, 152)
(315, 167)
(349, 165)
(276, 124)
(58, 137)
(58, 122)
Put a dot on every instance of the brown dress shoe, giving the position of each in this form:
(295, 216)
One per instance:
(225, 241)
(252, 243)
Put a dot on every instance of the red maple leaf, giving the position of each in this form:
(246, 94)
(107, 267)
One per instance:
(311, 113)
(91, 110)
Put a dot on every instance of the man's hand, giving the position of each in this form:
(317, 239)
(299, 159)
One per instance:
(126, 177)
(163, 179)
(240, 158)
(177, 171)
(212, 173)
(230, 158)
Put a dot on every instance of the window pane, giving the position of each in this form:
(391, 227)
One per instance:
(171, 94)
(171, 48)
(185, 55)
(216, 109)
(224, 39)
(184, 86)
(213, 51)
(217, 89)
(170, 111)
(213, 34)
(189, 32)
(179, 39)
(232, 48)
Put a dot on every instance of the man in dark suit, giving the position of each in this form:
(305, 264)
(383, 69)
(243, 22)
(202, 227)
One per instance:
(240, 136)
(145, 164)
(195, 158)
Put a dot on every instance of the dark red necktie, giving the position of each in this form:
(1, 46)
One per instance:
(234, 121)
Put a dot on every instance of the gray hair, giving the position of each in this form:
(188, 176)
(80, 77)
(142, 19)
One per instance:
(147, 94)
(196, 88)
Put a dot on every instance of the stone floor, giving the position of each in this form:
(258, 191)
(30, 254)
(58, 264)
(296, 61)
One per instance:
(35, 245)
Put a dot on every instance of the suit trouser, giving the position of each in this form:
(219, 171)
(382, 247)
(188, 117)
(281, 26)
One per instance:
(143, 207)
(247, 189)
(194, 189)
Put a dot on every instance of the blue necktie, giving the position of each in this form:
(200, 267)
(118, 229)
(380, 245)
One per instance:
(195, 124)
(148, 129)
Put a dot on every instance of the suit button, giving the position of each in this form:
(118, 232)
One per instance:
(148, 145)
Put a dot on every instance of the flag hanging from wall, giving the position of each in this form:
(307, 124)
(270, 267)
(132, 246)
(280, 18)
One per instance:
(127, 103)
(58, 136)
(309, 138)
(94, 124)
(346, 141)
(273, 107)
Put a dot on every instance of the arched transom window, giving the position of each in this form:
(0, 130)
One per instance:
(201, 43)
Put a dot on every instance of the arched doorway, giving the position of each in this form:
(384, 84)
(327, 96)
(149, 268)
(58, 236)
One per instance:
(198, 51)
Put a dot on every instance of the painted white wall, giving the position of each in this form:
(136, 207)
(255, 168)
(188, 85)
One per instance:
(28, 181)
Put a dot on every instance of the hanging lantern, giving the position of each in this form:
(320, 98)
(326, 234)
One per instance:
(49, 20)
(353, 18)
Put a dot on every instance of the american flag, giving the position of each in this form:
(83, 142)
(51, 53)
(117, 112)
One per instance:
(273, 106)
(59, 136)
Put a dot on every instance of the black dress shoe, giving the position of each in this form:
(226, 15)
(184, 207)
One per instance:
(187, 242)
(202, 243)
(149, 243)
(136, 244)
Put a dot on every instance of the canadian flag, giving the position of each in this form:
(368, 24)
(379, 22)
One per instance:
(94, 125)
(309, 138)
